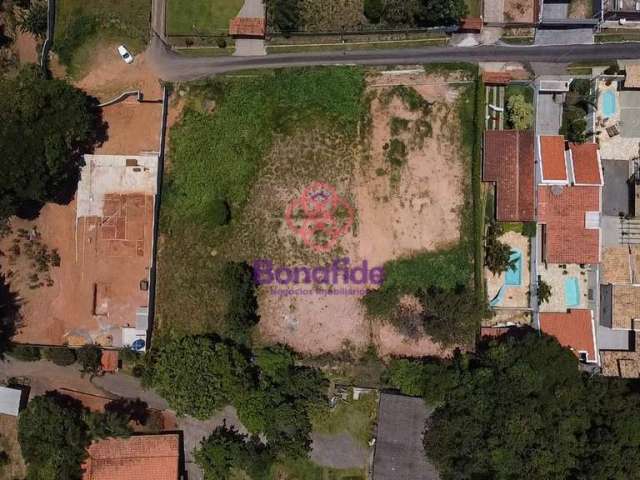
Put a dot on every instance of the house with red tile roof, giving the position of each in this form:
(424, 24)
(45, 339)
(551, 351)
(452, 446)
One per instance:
(570, 218)
(509, 163)
(553, 161)
(573, 329)
(139, 457)
(585, 164)
(247, 27)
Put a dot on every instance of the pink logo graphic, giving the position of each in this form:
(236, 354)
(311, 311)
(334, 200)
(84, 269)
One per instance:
(319, 216)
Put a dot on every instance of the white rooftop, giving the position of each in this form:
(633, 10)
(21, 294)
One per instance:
(104, 174)
(10, 401)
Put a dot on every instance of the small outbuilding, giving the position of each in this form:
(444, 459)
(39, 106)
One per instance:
(399, 450)
(11, 401)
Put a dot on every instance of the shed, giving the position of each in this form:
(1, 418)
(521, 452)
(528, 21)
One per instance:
(10, 401)
(399, 450)
(109, 361)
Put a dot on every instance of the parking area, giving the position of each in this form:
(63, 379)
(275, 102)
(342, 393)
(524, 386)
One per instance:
(549, 113)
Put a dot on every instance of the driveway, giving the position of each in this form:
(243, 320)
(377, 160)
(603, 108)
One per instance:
(615, 193)
(548, 114)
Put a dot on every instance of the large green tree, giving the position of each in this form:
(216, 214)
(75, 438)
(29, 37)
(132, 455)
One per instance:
(521, 408)
(45, 127)
(199, 375)
(54, 432)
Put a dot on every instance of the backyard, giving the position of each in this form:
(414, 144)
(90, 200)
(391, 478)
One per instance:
(200, 17)
(376, 141)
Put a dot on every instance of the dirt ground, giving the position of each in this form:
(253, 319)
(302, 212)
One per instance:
(26, 47)
(413, 208)
(519, 11)
(95, 289)
(9, 444)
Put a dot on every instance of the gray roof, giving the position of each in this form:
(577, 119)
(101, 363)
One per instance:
(399, 451)
(10, 399)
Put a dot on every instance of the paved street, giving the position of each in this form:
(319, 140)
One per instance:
(171, 66)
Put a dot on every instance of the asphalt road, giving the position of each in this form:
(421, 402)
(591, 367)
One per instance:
(171, 66)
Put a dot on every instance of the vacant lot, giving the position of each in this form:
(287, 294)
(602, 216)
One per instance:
(85, 26)
(15, 467)
(389, 146)
(194, 17)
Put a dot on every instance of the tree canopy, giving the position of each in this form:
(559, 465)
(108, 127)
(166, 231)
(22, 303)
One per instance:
(199, 375)
(54, 432)
(45, 127)
(520, 408)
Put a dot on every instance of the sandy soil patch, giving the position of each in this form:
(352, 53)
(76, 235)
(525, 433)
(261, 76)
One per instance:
(109, 75)
(9, 444)
(133, 128)
(518, 11)
(95, 271)
(418, 210)
(27, 47)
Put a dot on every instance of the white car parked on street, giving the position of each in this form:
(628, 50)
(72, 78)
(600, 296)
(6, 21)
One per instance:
(125, 54)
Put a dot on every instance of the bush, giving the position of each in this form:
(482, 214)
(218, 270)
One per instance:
(34, 20)
(221, 42)
(529, 229)
(26, 353)
(497, 254)
(89, 357)
(520, 112)
(544, 292)
(284, 14)
(373, 10)
(60, 356)
(243, 306)
(128, 356)
(220, 212)
(396, 152)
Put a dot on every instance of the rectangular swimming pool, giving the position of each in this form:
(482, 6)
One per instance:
(609, 106)
(513, 276)
(571, 292)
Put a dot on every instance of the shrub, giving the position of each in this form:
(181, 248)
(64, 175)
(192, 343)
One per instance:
(76, 33)
(26, 353)
(520, 112)
(373, 10)
(89, 357)
(529, 229)
(284, 14)
(127, 355)
(398, 125)
(451, 317)
(396, 152)
(220, 212)
(243, 306)
(34, 20)
(60, 356)
(221, 42)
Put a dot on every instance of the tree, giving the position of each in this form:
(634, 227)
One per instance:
(544, 292)
(285, 15)
(199, 375)
(55, 430)
(497, 256)
(400, 12)
(89, 358)
(373, 10)
(62, 356)
(451, 317)
(522, 409)
(45, 127)
(34, 20)
(53, 437)
(441, 12)
(226, 449)
(242, 312)
(26, 353)
(520, 112)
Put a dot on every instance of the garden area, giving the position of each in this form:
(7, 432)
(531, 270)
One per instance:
(83, 26)
(578, 103)
(200, 17)
(366, 134)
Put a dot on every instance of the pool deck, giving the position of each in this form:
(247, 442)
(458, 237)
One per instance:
(515, 296)
(554, 275)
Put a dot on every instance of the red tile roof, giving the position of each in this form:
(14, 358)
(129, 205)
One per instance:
(140, 457)
(496, 78)
(109, 360)
(508, 161)
(552, 156)
(562, 210)
(573, 329)
(247, 26)
(586, 166)
(471, 23)
(493, 332)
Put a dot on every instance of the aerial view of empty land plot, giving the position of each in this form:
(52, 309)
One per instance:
(255, 158)
(194, 17)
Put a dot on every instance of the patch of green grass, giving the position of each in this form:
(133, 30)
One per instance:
(524, 90)
(219, 155)
(81, 25)
(468, 69)
(304, 469)
(513, 40)
(194, 17)
(355, 417)
(617, 37)
(473, 8)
